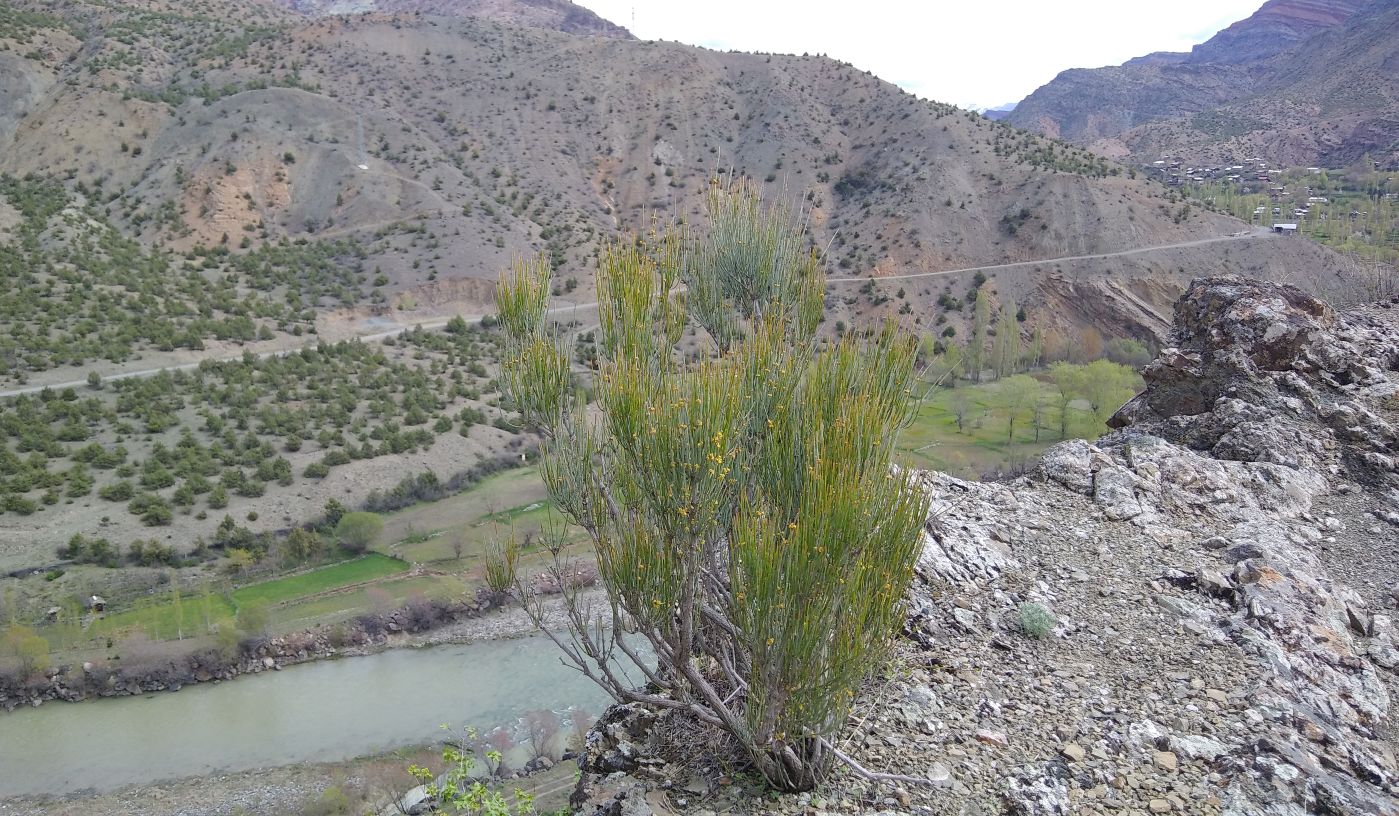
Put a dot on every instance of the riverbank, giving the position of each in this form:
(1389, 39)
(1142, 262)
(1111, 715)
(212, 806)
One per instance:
(285, 790)
(487, 617)
(368, 784)
(323, 712)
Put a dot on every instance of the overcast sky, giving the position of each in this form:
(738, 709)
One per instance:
(973, 53)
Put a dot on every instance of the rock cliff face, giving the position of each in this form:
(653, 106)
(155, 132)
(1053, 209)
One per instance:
(1221, 570)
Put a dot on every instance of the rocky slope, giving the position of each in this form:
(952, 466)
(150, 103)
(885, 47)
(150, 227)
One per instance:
(1222, 572)
(556, 15)
(1299, 82)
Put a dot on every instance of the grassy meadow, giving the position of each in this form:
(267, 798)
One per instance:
(985, 443)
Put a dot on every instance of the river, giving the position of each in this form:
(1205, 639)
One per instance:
(323, 712)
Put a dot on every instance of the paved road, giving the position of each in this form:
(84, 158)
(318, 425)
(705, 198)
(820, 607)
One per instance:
(583, 307)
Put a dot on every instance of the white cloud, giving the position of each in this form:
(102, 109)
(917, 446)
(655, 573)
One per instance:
(968, 53)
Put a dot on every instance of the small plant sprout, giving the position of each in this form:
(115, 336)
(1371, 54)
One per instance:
(1036, 621)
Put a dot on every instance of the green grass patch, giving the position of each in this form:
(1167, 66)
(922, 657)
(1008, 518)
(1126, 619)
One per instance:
(514, 501)
(159, 617)
(197, 613)
(511, 488)
(379, 597)
(365, 568)
(984, 442)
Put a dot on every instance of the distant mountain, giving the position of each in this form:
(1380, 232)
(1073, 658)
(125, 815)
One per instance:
(556, 15)
(1299, 81)
(1276, 26)
(998, 113)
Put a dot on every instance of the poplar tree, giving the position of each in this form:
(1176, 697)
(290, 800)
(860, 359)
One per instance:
(976, 347)
(1005, 357)
(745, 519)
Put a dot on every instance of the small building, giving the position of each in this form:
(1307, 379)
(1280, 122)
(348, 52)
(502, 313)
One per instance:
(52, 614)
(97, 604)
(1285, 229)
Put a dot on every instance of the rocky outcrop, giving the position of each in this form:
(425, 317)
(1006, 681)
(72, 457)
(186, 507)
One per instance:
(1216, 500)
(1219, 571)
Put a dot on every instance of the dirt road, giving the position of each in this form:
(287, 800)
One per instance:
(584, 307)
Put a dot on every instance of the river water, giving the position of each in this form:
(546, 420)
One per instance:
(324, 711)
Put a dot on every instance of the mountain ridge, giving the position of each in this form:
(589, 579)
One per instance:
(555, 15)
(1275, 82)
(424, 153)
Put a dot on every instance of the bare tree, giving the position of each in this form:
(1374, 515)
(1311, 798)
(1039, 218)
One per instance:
(541, 731)
(498, 742)
(959, 404)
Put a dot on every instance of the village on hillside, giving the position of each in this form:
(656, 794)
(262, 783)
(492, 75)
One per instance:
(1353, 208)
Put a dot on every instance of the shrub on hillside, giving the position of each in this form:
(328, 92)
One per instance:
(357, 532)
(742, 509)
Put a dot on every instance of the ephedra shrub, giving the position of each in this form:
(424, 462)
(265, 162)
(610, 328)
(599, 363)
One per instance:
(742, 509)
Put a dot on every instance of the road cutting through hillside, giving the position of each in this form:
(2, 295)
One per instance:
(558, 311)
(1238, 236)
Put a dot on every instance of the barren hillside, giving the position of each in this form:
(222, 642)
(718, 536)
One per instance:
(557, 15)
(433, 150)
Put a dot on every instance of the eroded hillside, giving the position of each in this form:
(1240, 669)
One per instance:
(443, 147)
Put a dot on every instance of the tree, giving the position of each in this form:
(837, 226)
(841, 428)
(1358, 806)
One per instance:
(1133, 353)
(742, 510)
(239, 559)
(959, 404)
(1018, 394)
(976, 346)
(30, 650)
(302, 545)
(1090, 345)
(1106, 386)
(942, 368)
(1006, 353)
(357, 532)
(177, 608)
(1037, 413)
(1068, 384)
(1034, 355)
(541, 731)
(253, 619)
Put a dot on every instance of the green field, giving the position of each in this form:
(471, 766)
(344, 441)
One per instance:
(515, 501)
(983, 445)
(157, 618)
(162, 617)
(342, 605)
(360, 570)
